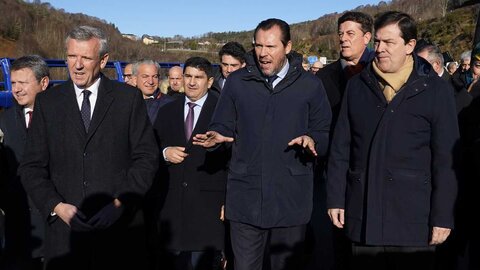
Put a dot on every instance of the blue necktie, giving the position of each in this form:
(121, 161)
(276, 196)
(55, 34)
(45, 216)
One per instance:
(271, 79)
(86, 109)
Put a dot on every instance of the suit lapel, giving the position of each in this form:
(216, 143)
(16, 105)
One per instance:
(72, 111)
(104, 100)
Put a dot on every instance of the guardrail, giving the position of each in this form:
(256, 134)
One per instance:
(5, 63)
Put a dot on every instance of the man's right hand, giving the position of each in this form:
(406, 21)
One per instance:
(210, 139)
(337, 216)
(65, 211)
(175, 154)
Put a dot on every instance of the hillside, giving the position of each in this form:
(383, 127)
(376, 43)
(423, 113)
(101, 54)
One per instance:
(40, 28)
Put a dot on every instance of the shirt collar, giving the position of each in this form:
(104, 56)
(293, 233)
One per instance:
(199, 102)
(93, 88)
(283, 72)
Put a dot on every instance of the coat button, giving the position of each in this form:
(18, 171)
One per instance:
(85, 154)
(86, 184)
(185, 184)
(390, 179)
(391, 111)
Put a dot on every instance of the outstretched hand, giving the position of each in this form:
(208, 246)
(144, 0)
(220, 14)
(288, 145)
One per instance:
(305, 142)
(210, 139)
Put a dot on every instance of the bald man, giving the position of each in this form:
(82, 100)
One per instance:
(175, 81)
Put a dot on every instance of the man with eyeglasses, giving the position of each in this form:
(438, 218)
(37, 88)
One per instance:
(127, 74)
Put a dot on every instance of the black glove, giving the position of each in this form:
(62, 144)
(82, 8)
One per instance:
(106, 217)
(79, 224)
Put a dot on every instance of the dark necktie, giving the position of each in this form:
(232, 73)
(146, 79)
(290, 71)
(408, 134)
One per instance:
(30, 113)
(189, 120)
(271, 79)
(86, 109)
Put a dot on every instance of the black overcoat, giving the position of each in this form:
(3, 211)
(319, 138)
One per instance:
(117, 158)
(391, 164)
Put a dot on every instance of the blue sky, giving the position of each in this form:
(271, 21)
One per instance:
(194, 18)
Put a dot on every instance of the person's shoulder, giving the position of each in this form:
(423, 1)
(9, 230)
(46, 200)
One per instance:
(327, 70)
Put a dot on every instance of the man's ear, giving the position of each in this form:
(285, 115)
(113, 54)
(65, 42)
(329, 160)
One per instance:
(410, 46)
(44, 82)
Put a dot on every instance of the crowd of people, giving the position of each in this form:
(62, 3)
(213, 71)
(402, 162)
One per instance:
(369, 162)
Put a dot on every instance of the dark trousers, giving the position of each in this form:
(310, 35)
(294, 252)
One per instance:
(392, 258)
(257, 248)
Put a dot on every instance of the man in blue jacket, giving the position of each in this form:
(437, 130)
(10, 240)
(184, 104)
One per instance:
(391, 183)
(277, 115)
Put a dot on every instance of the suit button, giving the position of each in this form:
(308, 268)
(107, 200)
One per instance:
(85, 154)
(85, 183)
(390, 179)
(185, 184)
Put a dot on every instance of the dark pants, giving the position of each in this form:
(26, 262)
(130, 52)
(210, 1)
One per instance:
(392, 258)
(257, 248)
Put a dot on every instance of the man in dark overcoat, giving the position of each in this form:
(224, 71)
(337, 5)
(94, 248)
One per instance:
(391, 182)
(192, 180)
(24, 224)
(90, 156)
(278, 117)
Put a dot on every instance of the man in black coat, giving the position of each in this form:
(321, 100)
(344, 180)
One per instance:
(90, 157)
(391, 182)
(354, 33)
(24, 224)
(278, 117)
(192, 188)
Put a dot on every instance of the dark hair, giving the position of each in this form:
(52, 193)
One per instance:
(33, 62)
(406, 24)
(269, 23)
(199, 63)
(363, 19)
(85, 33)
(234, 49)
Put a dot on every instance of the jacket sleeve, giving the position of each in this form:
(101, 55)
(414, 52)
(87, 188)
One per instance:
(445, 151)
(144, 152)
(320, 117)
(339, 159)
(33, 170)
(223, 120)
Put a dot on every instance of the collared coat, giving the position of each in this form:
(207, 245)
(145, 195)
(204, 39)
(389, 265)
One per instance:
(269, 183)
(117, 158)
(191, 193)
(391, 165)
(24, 224)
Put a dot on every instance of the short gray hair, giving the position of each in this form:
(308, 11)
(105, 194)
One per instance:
(33, 62)
(85, 33)
(466, 55)
(138, 63)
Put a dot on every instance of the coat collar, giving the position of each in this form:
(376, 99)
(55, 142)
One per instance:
(102, 105)
(416, 83)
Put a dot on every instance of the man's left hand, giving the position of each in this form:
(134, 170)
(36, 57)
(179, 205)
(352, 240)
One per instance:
(305, 142)
(439, 235)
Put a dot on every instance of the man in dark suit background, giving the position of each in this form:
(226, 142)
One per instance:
(146, 77)
(192, 187)
(232, 58)
(24, 225)
(90, 157)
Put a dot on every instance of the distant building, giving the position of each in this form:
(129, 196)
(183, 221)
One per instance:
(130, 36)
(147, 40)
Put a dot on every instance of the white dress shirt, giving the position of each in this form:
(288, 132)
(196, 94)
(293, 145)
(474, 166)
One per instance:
(93, 96)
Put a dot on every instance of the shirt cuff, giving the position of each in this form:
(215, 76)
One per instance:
(164, 156)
